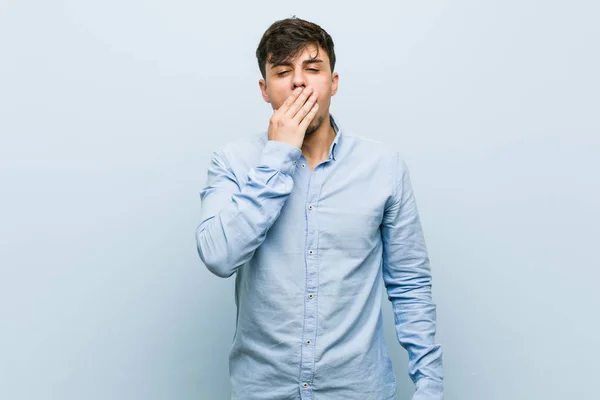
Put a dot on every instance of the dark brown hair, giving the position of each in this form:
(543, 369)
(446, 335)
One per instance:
(287, 38)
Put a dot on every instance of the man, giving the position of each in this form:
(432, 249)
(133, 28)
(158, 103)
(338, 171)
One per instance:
(312, 220)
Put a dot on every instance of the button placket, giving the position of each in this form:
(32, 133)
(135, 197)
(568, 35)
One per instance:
(310, 305)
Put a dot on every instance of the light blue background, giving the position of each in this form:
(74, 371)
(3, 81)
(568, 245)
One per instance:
(109, 111)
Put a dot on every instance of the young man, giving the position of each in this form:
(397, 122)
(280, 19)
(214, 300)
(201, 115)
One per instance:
(311, 220)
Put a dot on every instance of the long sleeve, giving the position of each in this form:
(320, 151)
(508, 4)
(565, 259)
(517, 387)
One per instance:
(235, 218)
(407, 278)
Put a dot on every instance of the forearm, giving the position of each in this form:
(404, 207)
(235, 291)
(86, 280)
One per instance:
(415, 328)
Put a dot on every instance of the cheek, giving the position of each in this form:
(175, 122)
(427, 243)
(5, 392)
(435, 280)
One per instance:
(323, 87)
(278, 96)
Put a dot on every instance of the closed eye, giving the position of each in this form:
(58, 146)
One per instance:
(285, 72)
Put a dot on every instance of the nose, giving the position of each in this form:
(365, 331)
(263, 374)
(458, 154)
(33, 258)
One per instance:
(299, 80)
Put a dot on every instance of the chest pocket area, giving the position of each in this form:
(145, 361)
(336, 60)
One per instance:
(348, 229)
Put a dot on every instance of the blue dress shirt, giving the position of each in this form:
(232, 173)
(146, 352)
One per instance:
(310, 250)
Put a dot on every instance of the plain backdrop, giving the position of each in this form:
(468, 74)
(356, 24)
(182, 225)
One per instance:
(109, 111)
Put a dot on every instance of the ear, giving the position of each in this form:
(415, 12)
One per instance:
(263, 89)
(335, 77)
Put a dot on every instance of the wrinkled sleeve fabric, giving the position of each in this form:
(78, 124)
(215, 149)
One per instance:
(407, 278)
(235, 217)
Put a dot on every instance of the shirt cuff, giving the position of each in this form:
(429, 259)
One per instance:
(280, 156)
(429, 389)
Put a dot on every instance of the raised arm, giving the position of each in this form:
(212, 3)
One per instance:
(235, 217)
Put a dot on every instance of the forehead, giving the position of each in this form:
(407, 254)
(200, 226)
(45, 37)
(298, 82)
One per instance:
(309, 52)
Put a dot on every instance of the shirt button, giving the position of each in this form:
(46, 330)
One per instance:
(303, 165)
(310, 252)
(305, 385)
(310, 295)
(308, 341)
(310, 207)
(295, 162)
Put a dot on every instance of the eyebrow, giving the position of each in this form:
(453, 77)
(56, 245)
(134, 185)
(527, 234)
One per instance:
(289, 64)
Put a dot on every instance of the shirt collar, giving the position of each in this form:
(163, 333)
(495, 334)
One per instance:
(336, 142)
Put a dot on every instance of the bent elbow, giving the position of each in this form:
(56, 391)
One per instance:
(219, 269)
(215, 261)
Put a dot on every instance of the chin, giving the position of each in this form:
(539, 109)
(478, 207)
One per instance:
(314, 125)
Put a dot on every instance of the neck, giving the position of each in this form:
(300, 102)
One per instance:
(316, 145)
